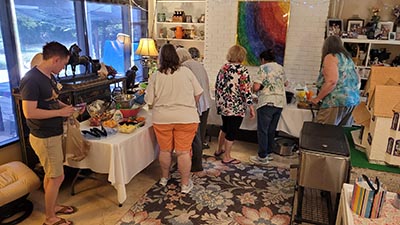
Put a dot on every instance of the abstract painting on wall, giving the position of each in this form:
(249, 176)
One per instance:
(262, 25)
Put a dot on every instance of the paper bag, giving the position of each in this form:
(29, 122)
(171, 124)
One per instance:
(74, 142)
(368, 197)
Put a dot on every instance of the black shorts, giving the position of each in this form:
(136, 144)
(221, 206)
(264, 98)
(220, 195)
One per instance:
(230, 126)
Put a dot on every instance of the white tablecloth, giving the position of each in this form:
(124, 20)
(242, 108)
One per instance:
(291, 121)
(121, 156)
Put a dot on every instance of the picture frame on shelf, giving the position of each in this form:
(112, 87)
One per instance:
(355, 25)
(392, 36)
(384, 28)
(334, 27)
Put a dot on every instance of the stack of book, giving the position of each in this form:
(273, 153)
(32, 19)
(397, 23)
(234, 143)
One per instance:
(368, 198)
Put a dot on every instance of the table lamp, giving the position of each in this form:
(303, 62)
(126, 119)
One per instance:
(147, 49)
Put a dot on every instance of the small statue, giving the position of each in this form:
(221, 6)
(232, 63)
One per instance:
(396, 13)
(396, 61)
(130, 77)
(75, 59)
(373, 24)
(375, 17)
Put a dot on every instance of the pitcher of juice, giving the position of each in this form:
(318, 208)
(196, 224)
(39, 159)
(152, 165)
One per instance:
(309, 94)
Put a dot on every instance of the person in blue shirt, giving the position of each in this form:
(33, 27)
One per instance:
(338, 85)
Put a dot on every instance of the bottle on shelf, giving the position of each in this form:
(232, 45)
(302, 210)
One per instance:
(178, 32)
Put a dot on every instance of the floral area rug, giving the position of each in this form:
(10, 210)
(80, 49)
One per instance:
(230, 194)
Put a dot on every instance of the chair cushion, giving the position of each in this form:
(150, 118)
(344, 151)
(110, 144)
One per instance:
(16, 180)
(6, 178)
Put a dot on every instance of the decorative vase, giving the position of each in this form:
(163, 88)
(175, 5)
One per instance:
(370, 30)
(178, 32)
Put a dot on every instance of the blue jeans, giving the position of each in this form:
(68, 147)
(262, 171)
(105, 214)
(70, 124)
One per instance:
(267, 121)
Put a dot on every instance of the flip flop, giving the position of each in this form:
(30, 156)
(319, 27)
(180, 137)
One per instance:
(232, 161)
(66, 210)
(218, 154)
(61, 222)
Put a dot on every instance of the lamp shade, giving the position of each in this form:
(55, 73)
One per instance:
(147, 47)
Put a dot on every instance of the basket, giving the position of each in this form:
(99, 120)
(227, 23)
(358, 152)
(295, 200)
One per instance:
(130, 112)
(125, 101)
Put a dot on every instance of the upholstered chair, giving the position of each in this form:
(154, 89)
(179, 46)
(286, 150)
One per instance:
(16, 182)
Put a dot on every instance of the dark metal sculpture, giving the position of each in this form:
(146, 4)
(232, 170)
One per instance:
(75, 59)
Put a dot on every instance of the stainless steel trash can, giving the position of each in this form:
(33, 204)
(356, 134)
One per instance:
(324, 165)
(324, 157)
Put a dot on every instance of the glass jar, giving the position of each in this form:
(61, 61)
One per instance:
(161, 17)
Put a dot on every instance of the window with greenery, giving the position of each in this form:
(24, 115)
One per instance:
(39, 22)
(28, 25)
(8, 130)
(106, 37)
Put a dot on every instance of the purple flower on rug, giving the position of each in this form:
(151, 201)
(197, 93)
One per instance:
(262, 216)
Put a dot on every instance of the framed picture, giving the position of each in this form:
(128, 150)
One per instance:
(355, 25)
(384, 28)
(392, 36)
(334, 27)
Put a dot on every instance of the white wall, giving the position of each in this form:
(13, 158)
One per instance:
(303, 41)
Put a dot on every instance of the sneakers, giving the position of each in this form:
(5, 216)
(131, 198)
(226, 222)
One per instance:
(187, 188)
(269, 157)
(163, 181)
(205, 145)
(258, 160)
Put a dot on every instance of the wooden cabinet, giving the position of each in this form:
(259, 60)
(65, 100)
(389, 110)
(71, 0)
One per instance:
(74, 93)
(191, 18)
(364, 52)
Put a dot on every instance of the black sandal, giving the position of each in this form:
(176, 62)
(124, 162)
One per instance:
(218, 154)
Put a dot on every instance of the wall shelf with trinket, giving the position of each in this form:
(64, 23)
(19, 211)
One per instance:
(369, 52)
(180, 22)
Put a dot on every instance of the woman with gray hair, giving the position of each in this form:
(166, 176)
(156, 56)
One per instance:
(203, 108)
(338, 85)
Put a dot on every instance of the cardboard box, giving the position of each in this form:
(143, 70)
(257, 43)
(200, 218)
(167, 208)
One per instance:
(361, 115)
(380, 75)
(383, 100)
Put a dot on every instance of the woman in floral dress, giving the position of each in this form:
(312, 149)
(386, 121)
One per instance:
(232, 97)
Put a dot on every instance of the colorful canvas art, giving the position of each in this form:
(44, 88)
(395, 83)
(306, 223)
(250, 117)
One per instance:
(262, 25)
